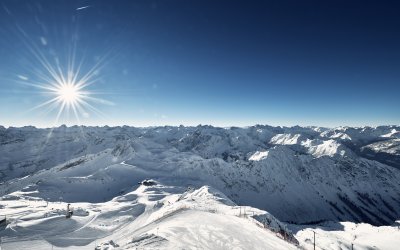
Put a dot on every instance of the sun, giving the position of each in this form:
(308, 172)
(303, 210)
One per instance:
(66, 82)
(69, 93)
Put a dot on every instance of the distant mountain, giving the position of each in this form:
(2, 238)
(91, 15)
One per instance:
(298, 174)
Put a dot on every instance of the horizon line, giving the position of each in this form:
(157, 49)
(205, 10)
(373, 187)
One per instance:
(199, 125)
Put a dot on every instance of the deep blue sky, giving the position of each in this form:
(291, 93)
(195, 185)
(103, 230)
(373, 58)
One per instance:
(325, 63)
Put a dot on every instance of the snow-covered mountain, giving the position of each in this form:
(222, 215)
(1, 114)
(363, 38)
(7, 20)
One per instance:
(299, 175)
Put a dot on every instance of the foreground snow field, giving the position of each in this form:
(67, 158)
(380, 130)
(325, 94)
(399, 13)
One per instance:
(200, 187)
(161, 217)
(155, 217)
(334, 235)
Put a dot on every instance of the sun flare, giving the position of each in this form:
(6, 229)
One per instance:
(69, 93)
(66, 81)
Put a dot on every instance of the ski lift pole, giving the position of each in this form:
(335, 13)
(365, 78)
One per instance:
(314, 239)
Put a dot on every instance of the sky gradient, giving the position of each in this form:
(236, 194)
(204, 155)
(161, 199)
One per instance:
(224, 63)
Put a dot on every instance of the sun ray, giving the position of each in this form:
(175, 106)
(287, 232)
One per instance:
(67, 85)
(49, 102)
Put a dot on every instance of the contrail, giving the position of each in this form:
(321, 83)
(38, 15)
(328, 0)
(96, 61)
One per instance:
(84, 7)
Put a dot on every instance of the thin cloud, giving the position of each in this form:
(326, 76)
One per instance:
(83, 7)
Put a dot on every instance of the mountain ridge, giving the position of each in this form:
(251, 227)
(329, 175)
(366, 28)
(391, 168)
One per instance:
(319, 174)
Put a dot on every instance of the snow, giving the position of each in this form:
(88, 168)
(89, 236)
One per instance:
(197, 229)
(392, 133)
(391, 146)
(319, 148)
(105, 162)
(286, 139)
(198, 187)
(258, 156)
(154, 216)
(333, 235)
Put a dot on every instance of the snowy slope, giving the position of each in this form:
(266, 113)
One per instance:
(299, 174)
(150, 217)
(333, 235)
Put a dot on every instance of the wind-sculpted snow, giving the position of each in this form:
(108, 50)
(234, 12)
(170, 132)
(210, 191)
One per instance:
(298, 174)
(152, 216)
